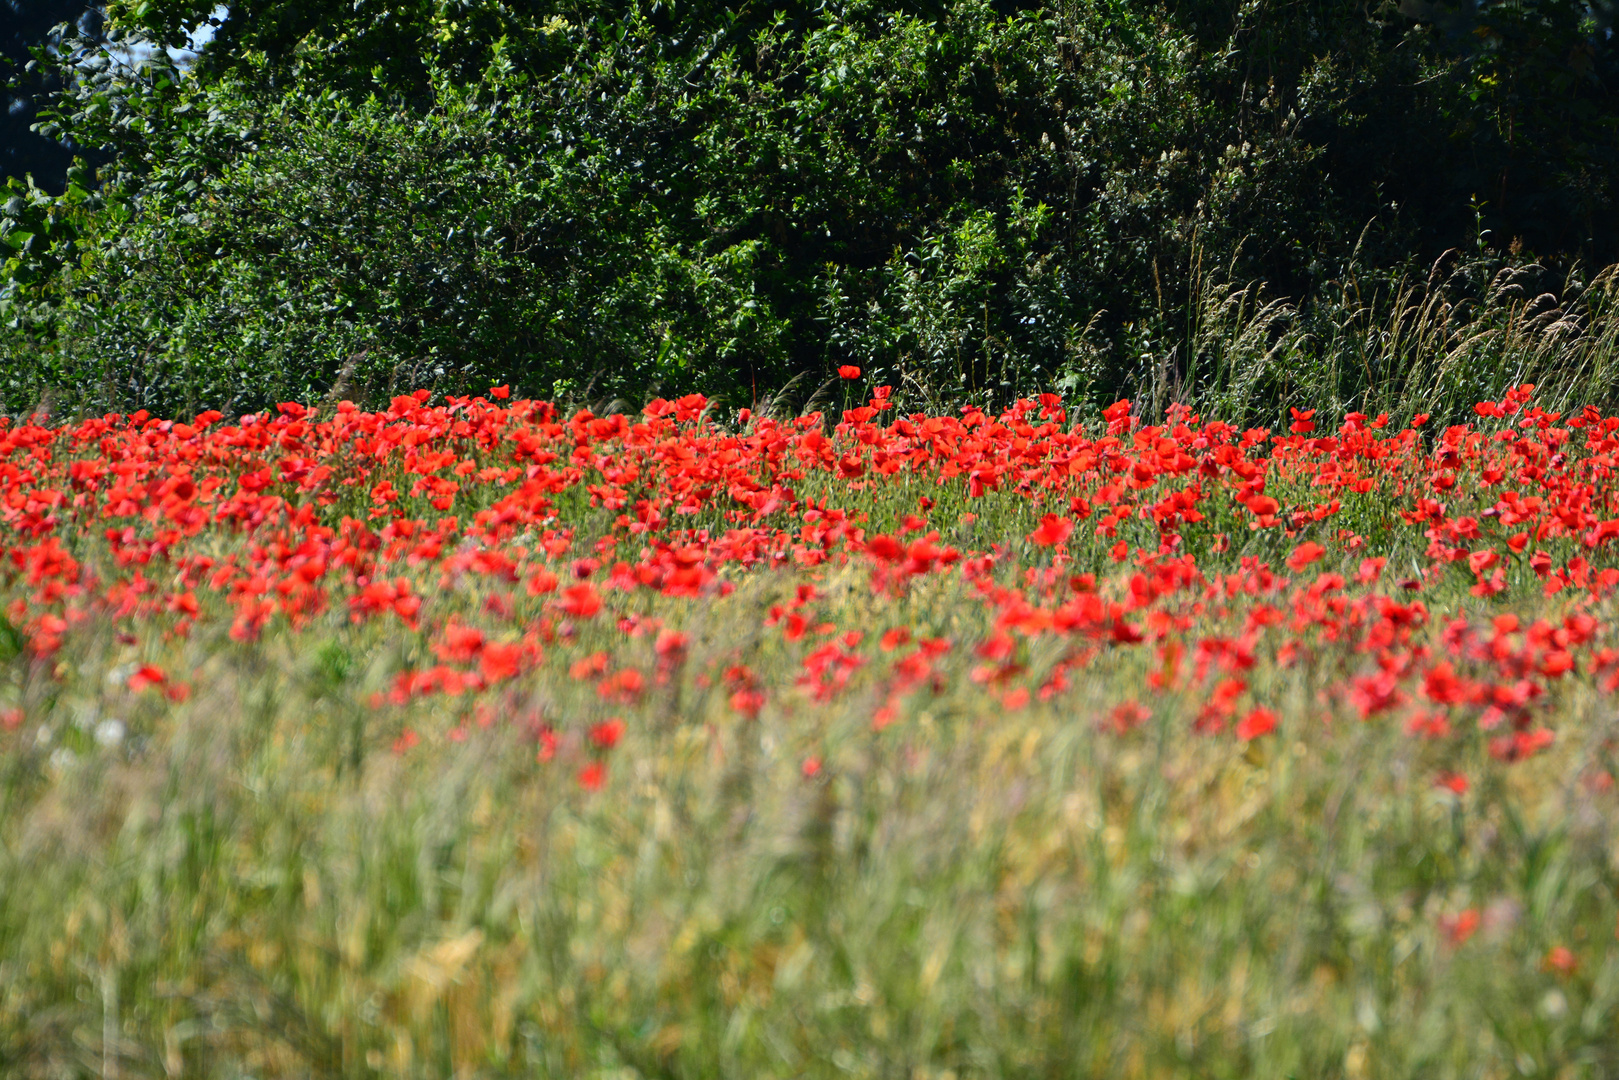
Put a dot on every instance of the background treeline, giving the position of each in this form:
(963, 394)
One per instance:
(1239, 202)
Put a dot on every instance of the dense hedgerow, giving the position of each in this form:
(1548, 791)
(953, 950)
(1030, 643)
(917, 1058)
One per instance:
(972, 200)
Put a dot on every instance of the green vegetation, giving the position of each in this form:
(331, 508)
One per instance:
(251, 882)
(259, 885)
(486, 738)
(970, 200)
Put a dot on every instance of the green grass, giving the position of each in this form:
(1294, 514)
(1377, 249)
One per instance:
(252, 884)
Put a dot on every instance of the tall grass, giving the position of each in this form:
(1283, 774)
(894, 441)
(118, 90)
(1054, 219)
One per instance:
(252, 883)
(1464, 332)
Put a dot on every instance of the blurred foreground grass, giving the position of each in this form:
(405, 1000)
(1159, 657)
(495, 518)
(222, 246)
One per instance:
(252, 883)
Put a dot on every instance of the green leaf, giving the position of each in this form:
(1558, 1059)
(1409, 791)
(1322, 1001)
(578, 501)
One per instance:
(11, 641)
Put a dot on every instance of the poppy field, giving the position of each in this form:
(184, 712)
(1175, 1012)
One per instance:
(473, 738)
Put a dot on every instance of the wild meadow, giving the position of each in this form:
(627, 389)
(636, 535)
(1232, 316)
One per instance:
(470, 738)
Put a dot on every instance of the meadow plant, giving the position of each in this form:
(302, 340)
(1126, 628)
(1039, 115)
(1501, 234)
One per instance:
(473, 739)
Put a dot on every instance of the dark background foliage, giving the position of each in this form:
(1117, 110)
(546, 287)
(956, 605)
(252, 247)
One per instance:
(969, 199)
(24, 25)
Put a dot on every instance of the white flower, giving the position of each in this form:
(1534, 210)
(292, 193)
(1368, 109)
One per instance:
(110, 732)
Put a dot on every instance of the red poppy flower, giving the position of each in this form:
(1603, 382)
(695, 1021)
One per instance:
(1305, 554)
(500, 661)
(1053, 530)
(1259, 721)
(1561, 960)
(582, 600)
(147, 676)
(607, 733)
(1459, 927)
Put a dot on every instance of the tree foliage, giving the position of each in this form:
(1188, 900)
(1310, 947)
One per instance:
(28, 23)
(966, 198)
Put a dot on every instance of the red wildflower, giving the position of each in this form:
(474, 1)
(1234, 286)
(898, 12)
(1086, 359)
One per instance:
(460, 643)
(548, 745)
(1263, 507)
(1459, 927)
(671, 644)
(1305, 554)
(582, 600)
(1127, 716)
(1455, 782)
(500, 661)
(1259, 721)
(607, 733)
(623, 686)
(1561, 960)
(146, 676)
(886, 548)
(1053, 530)
(1520, 744)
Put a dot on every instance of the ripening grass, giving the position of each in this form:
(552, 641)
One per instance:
(797, 842)
(1433, 343)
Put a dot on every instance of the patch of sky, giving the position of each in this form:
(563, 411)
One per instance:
(135, 52)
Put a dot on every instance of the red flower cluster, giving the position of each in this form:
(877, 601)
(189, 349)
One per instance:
(511, 539)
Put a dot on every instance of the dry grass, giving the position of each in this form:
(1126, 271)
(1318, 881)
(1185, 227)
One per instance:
(252, 884)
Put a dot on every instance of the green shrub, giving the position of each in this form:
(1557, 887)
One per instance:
(966, 198)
